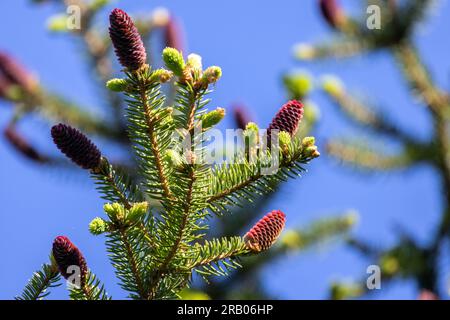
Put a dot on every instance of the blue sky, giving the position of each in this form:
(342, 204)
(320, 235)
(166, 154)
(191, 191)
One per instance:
(252, 42)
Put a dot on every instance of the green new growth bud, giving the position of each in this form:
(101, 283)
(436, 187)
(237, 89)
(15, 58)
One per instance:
(291, 239)
(251, 139)
(138, 210)
(284, 140)
(312, 152)
(57, 23)
(174, 159)
(212, 118)
(174, 60)
(308, 142)
(251, 126)
(115, 211)
(332, 85)
(298, 84)
(351, 218)
(117, 85)
(98, 226)
(161, 75)
(191, 294)
(304, 51)
(211, 75)
(195, 62)
(389, 265)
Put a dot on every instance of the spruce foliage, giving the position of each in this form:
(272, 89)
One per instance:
(155, 224)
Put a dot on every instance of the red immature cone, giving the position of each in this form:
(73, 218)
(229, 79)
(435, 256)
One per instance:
(332, 12)
(241, 117)
(76, 146)
(22, 145)
(15, 73)
(173, 34)
(266, 231)
(427, 295)
(126, 40)
(67, 255)
(287, 119)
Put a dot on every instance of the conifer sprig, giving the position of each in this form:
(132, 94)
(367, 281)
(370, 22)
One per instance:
(155, 228)
(40, 283)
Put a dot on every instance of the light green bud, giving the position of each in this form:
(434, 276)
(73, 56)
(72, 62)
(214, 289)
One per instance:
(291, 239)
(195, 61)
(211, 75)
(332, 85)
(161, 75)
(251, 126)
(138, 210)
(298, 84)
(117, 85)
(312, 152)
(57, 23)
(115, 211)
(308, 142)
(174, 60)
(212, 118)
(285, 139)
(98, 226)
(304, 51)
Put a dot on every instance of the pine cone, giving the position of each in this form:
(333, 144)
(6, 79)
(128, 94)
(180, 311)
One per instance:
(172, 34)
(15, 73)
(332, 12)
(266, 231)
(22, 145)
(287, 119)
(76, 146)
(66, 254)
(127, 41)
(241, 117)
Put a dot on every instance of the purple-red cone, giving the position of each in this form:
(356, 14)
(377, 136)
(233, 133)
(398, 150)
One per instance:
(76, 146)
(22, 145)
(126, 40)
(12, 72)
(241, 117)
(173, 34)
(287, 118)
(66, 254)
(266, 231)
(332, 12)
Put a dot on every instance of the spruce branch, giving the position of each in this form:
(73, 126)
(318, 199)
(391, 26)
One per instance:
(366, 157)
(41, 281)
(231, 184)
(361, 113)
(154, 252)
(215, 250)
(419, 79)
(92, 290)
(324, 230)
(150, 130)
